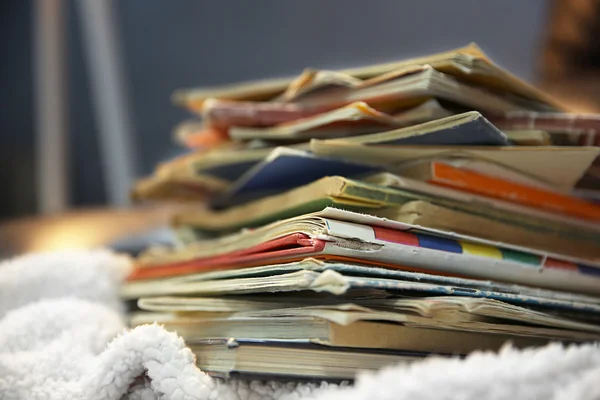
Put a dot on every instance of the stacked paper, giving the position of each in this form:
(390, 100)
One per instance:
(352, 219)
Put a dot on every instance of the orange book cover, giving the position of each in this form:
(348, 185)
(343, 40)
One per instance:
(447, 175)
(207, 138)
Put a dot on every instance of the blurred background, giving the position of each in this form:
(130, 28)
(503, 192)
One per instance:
(86, 84)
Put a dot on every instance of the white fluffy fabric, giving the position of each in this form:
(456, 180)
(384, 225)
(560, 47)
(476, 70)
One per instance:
(62, 336)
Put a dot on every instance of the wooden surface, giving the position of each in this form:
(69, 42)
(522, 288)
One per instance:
(81, 229)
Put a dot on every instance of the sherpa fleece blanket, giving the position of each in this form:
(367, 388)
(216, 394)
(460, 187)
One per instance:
(63, 336)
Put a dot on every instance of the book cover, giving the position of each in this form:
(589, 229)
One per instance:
(400, 205)
(581, 129)
(285, 169)
(561, 166)
(345, 277)
(466, 129)
(446, 174)
(398, 249)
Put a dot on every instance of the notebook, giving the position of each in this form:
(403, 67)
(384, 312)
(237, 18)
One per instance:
(411, 86)
(225, 114)
(576, 238)
(468, 63)
(445, 308)
(463, 129)
(284, 169)
(314, 225)
(404, 247)
(193, 327)
(265, 360)
(509, 187)
(198, 174)
(317, 279)
(556, 165)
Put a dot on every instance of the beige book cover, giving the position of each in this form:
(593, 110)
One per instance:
(556, 165)
(468, 63)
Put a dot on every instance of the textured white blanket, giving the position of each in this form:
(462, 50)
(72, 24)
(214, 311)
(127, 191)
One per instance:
(62, 336)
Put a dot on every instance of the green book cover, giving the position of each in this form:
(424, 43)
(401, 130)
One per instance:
(284, 213)
(394, 197)
(358, 196)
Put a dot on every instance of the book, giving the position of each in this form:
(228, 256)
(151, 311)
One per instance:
(199, 174)
(560, 166)
(325, 238)
(354, 119)
(321, 225)
(284, 169)
(467, 223)
(475, 260)
(401, 182)
(450, 313)
(230, 304)
(305, 199)
(463, 129)
(358, 334)
(409, 87)
(580, 129)
(472, 219)
(468, 63)
(223, 114)
(421, 170)
(268, 359)
(276, 174)
(348, 281)
(321, 88)
(175, 180)
(197, 135)
(333, 283)
(314, 80)
(456, 308)
(450, 173)
(445, 315)
(399, 222)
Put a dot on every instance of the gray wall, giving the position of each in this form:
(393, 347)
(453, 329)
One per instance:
(180, 43)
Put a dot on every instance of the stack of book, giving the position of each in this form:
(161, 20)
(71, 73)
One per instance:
(349, 220)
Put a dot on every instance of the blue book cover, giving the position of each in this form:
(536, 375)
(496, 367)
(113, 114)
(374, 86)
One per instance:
(285, 169)
(473, 130)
